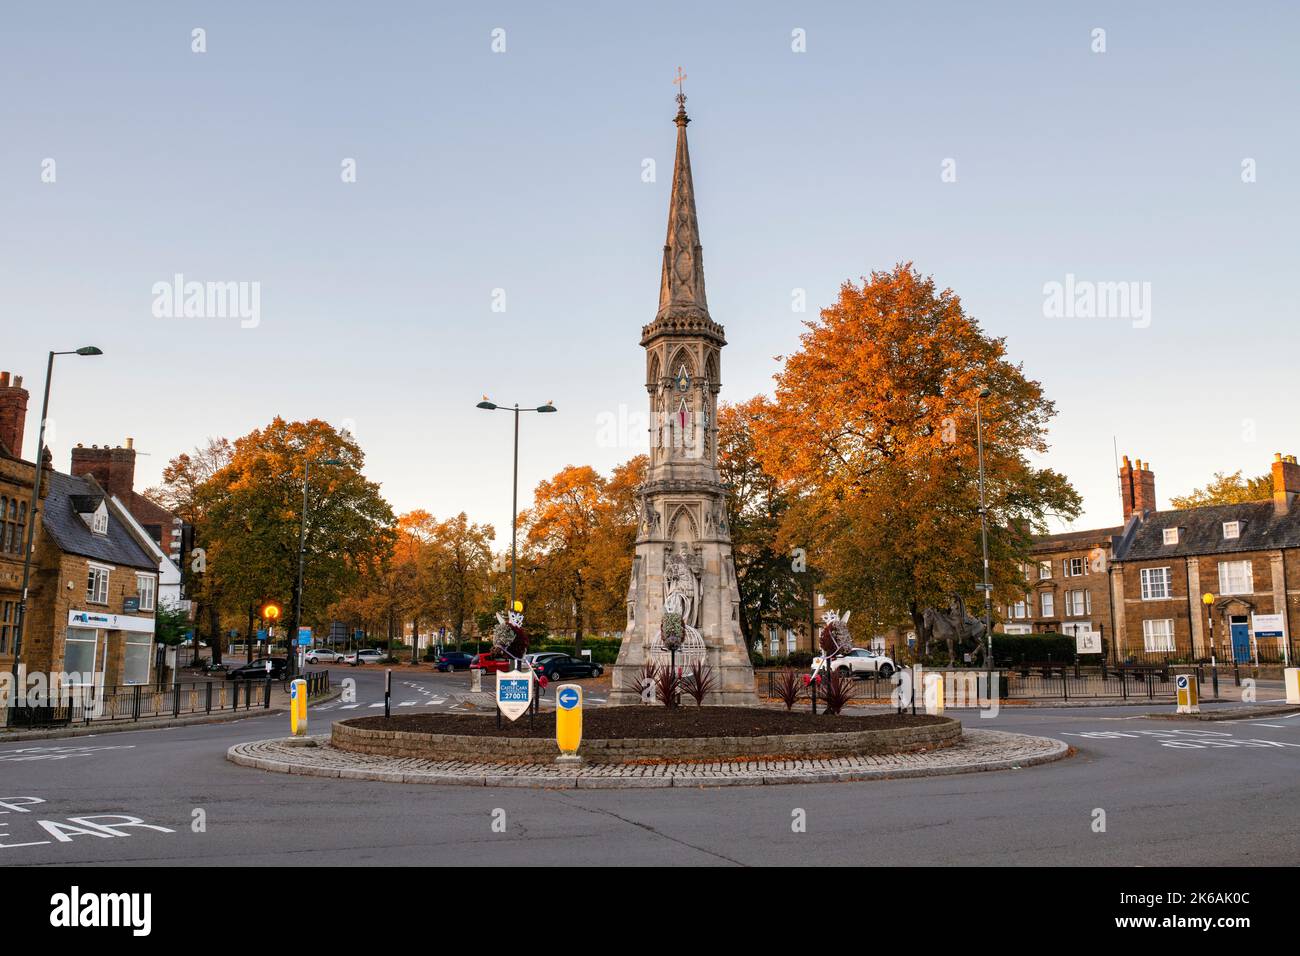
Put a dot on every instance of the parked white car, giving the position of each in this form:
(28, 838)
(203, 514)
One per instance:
(862, 661)
(323, 655)
(367, 655)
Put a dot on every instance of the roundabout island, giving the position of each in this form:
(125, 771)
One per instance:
(649, 747)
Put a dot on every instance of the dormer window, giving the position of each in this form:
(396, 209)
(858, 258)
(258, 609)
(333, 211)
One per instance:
(1231, 529)
(1171, 535)
(93, 510)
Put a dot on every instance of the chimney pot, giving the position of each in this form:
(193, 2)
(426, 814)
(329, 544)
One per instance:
(13, 413)
(130, 443)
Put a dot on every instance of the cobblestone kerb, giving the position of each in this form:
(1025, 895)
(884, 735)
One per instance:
(492, 750)
(977, 750)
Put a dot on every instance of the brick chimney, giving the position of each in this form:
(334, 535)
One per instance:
(112, 468)
(1137, 487)
(13, 413)
(1286, 482)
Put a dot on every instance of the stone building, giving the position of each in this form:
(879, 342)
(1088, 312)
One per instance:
(16, 478)
(114, 470)
(1246, 556)
(1140, 585)
(1067, 587)
(93, 590)
(683, 563)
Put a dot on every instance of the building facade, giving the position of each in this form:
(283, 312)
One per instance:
(1142, 585)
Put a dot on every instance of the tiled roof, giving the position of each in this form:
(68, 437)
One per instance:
(1200, 531)
(1067, 540)
(62, 522)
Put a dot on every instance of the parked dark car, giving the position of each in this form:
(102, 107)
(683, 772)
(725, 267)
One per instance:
(560, 666)
(257, 670)
(453, 661)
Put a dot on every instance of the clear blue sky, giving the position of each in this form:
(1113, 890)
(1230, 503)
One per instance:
(522, 171)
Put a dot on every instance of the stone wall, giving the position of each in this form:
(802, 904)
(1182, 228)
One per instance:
(531, 750)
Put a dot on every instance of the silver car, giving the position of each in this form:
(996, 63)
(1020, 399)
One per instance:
(323, 655)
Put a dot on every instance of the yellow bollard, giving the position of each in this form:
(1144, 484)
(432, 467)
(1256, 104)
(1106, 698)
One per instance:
(1188, 698)
(298, 707)
(568, 722)
(933, 693)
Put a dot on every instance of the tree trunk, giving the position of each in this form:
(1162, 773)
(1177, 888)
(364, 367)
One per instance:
(922, 632)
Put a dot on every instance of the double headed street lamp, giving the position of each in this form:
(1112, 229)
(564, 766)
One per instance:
(36, 498)
(514, 494)
(291, 657)
(984, 541)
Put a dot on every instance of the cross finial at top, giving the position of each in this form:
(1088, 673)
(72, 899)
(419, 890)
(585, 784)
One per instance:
(679, 80)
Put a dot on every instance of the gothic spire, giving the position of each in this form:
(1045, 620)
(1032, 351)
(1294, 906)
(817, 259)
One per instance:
(681, 282)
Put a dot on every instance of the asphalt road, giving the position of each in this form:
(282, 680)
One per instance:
(1173, 793)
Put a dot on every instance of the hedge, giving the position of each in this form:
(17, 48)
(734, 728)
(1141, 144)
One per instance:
(1034, 648)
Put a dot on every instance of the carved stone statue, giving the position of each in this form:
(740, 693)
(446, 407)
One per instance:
(682, 590)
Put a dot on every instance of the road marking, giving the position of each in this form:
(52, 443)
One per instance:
(56, 753)
(349, 706)
(1274, 726)
(408, 703)
(378, 704)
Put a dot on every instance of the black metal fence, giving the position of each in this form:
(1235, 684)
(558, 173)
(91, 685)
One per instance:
(132, 702)
(1046, 682)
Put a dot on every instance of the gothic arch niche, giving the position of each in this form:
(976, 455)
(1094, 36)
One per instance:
(682, 359)
(711, 369)
(682, 528)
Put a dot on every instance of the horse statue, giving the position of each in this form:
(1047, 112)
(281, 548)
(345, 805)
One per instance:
(957, 627)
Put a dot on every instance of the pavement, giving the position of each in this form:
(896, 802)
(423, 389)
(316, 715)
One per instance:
(1137, 792)
(979, 751)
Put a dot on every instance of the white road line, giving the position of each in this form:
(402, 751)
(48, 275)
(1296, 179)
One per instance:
(408, 703)
(349, 706)
(379, 704)
(1274, 726)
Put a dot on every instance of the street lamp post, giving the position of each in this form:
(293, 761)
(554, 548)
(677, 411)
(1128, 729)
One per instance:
(984, 541)
(291, 655)
(29, 543)
(1208, 600)
(490, 406)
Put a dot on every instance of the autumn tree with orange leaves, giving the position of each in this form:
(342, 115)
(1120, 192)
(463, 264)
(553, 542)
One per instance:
(873, 433)
(580, 536)
(253, 505)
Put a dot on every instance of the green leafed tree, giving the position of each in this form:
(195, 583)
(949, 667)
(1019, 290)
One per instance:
(1227, 489)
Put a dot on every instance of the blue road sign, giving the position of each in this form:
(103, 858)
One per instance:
(513, 689)
(261, 634)
(568, 698)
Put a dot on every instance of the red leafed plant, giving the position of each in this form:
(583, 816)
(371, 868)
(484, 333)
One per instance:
(649, 672)
(837, 690)
(700, 682)
(668, 685)
(789, 687)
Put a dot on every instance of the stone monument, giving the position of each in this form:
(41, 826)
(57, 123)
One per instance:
(683, 567)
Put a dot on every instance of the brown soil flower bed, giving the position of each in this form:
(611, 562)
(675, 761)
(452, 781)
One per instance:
(647, 735)
(636, 723)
